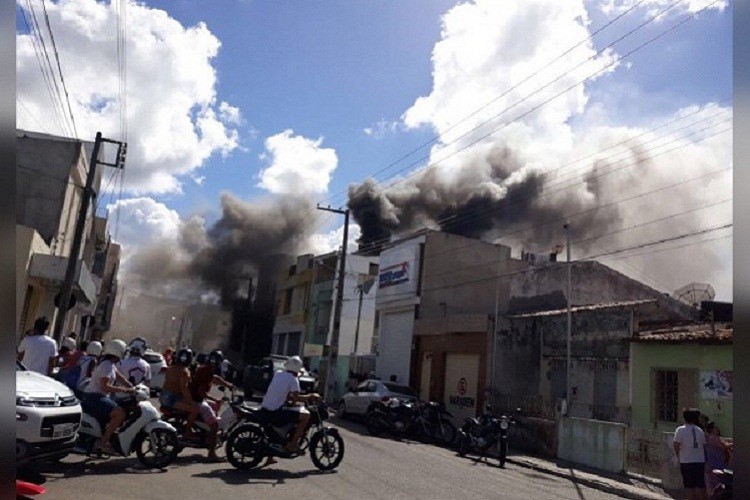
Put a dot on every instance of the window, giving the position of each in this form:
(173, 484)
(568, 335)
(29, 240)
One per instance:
(293, 343)
(288, 300)
(673, 390)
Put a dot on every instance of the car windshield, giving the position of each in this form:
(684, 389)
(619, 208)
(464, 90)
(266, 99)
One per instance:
(400, 389)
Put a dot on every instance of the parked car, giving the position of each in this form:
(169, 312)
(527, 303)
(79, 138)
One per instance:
(48, 416)
(256, 378)
(357, 402)
(158, 367)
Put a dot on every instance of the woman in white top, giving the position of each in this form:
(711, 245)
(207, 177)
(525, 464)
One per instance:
(96, 401)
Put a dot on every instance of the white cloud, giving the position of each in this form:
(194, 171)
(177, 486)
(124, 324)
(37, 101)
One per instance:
(652, 7)
(143, 221)
(175, 121)
(320, 243)
(488, 49)
(298, 165)
(383, 127)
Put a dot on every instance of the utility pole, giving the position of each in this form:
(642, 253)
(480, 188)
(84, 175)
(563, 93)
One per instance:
(568, 369)
(74, 262)
(334, 347)
(246, 323)
(363, 288)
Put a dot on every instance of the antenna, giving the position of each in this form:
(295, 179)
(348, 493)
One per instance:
(694, 293)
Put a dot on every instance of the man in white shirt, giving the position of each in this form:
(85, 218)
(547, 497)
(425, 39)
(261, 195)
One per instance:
(134, 367)
(283, 387)
(37, 351)
(690, 448)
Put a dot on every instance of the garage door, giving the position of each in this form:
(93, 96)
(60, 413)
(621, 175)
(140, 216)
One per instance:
(394, 345)
(461, 380)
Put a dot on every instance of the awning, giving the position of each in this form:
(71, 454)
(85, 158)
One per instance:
(51, 269)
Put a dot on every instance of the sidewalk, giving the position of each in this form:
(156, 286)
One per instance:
(624, 485)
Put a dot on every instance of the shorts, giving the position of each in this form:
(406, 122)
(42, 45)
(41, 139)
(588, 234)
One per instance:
(693, 475)
(283, 416)
(168, 399)
(98, 406)
(207, 414)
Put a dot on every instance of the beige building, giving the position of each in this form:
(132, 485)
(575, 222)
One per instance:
(51, 172)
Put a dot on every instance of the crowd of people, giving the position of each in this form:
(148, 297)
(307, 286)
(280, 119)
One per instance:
(95, 373)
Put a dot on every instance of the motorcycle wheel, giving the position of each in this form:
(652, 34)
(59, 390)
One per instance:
(243, 447)
(444, 432)
(158, 449)
(326, 450)
(503, 452)
(374, 427)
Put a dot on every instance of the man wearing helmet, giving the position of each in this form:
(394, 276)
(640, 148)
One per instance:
(96, 401)
(88, 361)
(285, 387)
(134, 367)
(176, 391)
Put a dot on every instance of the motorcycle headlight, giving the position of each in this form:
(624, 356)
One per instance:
(504, 425)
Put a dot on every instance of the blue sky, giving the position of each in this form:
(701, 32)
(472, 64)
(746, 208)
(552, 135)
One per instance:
(327, 71)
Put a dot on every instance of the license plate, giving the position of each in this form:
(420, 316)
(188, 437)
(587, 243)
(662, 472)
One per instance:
(63, 431)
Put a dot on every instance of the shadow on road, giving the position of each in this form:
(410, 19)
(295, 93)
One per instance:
(273, 477)
(43, 472)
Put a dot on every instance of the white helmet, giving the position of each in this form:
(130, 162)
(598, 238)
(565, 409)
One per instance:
(69, 343)
(94, 348)
(116, 347)
(293, 364)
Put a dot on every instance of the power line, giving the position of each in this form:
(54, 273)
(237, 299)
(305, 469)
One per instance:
(59, 69)
(42, 127)
(708, 240)
(506, 92)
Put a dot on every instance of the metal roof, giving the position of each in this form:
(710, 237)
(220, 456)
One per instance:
(705, 333)
(586, 308)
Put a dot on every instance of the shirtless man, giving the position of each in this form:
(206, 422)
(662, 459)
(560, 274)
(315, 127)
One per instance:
(176, 391)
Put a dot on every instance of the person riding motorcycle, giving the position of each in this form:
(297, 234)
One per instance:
(134, 367)
(176, 391)
(96, 401)
(284, 387)
(203, 379)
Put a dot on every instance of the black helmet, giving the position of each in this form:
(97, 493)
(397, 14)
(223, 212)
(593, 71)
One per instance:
(201, 358)
(216, 357)
(184, 357)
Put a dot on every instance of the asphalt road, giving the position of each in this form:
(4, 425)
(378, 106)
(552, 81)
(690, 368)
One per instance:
(373, 468)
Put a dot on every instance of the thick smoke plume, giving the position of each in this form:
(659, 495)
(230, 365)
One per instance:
(492, 196)
(222, 256)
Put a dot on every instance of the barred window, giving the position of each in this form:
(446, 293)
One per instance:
(666, 395)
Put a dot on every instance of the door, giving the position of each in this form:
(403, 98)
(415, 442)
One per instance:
(461, 384)
(394, 347)
(424, 388)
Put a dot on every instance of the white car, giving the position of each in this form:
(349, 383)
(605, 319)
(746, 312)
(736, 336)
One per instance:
(357, 402)
(48, 416)
(158, 367)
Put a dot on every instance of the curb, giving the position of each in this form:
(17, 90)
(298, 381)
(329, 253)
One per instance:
(591, 483)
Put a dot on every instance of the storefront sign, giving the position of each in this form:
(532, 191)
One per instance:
(394, 275)
(716, 384)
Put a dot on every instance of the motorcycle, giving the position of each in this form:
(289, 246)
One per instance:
(258, 438)
(153, 440)
(483, 432)
(24, 489)
(724, 490)
(397, 418)
(440, 428)
(234, 414)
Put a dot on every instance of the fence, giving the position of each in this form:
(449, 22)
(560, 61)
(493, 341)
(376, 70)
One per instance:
(593, 442)
(648, 452)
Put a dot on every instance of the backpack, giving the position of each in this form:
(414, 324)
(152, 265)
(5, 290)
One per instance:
(71, 376)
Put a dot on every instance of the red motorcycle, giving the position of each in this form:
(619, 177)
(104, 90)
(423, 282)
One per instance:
(24, 489)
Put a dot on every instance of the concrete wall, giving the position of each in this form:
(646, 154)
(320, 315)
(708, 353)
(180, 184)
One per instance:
(458, 276)
(594, 443)
(678, 356)
(28, 242)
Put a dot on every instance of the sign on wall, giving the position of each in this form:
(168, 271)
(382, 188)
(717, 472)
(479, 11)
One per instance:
(716, 384)
(394, 275)
(461, 377)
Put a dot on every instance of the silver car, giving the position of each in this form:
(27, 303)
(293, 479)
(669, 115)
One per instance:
(357, 402)
(158, 367)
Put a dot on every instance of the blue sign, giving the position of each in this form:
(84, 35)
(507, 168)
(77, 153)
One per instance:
(394, 275)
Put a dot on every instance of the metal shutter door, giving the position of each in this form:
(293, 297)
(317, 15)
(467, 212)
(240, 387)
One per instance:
(394, 356)
(461, 380)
